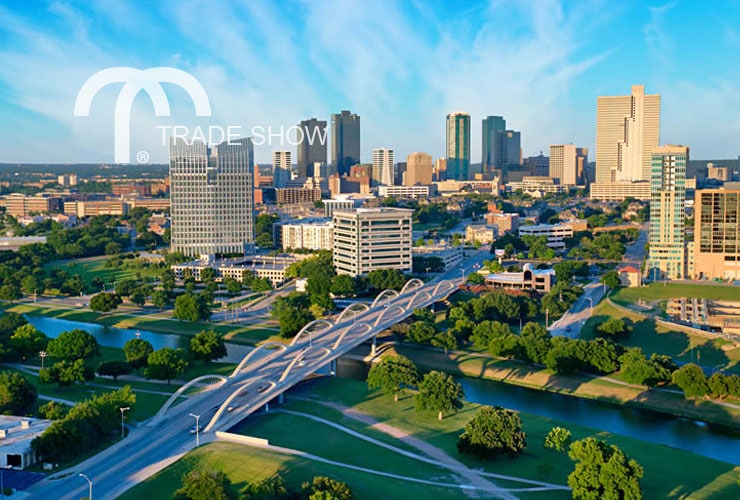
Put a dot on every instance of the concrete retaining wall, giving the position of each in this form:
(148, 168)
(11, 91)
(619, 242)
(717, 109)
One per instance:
(238, 438)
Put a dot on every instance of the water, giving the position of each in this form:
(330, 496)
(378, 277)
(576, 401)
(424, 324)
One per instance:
(706, 440)
(116, 337)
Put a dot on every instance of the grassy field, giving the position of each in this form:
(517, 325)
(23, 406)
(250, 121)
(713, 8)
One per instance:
(699, 478)
(661, 291)
(94, 267)
(653, 338)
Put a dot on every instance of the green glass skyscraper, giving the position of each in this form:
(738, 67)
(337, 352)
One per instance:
(458, 146)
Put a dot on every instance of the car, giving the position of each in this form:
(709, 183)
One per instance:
(263, 388)
(230, 408)
(302, 362)
(195, 430)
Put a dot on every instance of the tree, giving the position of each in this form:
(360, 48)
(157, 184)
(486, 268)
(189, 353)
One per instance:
(557, 439)
(494, 431)
(205, 485)
(233, 286)
(66, 372)
(105, 302)
(160, 299)
(137, 352)
(292, 313)
(392, 374)
(636, 369)
(444, 340)
(138, 296)
(272, 487)
(10, 292)
(166, 364)
(343, 285)
(322, 487)
(692, 380)
(17, 394)
(53, 410)
(74, 344)
(536, 341)
(475, 279)
(615, 329)
(439, 392)
(191, 307)
(611, 279)
(114, 369)
(207, 346)
(382, 279)
(421, 332)
(485, 331)
(719, 385)
(126, 287)
(603, 471)
(27, 341)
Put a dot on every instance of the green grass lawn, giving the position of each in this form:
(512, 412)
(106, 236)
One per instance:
(661, 291)
(94, 267)
(653, 338)
(699, 477)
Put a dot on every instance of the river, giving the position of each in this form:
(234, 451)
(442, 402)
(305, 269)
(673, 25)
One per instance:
(706, 440)
(116, 337)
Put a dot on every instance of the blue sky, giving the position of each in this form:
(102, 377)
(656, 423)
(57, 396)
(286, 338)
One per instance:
(401, 65)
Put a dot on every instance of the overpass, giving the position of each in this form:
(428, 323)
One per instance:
(222, 401)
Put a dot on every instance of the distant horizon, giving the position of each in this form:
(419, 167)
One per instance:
(540, 65)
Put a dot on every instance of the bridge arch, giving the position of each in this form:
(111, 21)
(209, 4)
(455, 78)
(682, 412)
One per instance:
(347, 330)
(410, 284)
(447, 284)
(394, 307)
(424, 293)
(239, 391)
(193, 383)
(298, 358)
(385, 294)
(352, 308)
(277, 346)
(311, 327)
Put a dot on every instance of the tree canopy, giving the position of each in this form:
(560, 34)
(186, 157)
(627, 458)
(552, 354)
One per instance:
(137, 351)
(17, 394)
(166, 364)
(494, 431)
(392, 374)
(207, 346)
(603, 471)
(439, 392)
(73, 344)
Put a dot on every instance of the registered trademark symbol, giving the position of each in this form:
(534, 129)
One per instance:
(142, 157)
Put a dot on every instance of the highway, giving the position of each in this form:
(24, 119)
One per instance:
(268, 374)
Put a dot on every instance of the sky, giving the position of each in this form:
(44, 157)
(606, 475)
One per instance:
(401, 65)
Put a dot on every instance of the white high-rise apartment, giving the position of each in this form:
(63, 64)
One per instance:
(367, 239)
(567, 163)
(280, 168)
(312, 234)
(382, 173)
(627, 131)
(212, 197)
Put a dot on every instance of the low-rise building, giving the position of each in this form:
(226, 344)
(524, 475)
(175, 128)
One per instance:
(16, 434)
(89, 208)
(406, 191)
(536, 186)
(262, 266)
(504, 222)
(449, 255)
(310, 234)
(630, 277)
(482, 234)
(297, 195)
(555, 233)
(540, 280)
(620, 191)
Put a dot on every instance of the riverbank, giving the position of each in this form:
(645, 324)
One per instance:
(603, 389)
(348, 403)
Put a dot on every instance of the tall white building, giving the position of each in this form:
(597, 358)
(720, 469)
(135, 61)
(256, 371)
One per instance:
(212, 197)
(382, 173)
(311, 234)
(627, 131)
(281, 168)
(367, 239)
(567, 163)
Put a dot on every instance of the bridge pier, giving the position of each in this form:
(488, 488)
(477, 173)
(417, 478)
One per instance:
(267, 407)
(333, 368)
(280, 398)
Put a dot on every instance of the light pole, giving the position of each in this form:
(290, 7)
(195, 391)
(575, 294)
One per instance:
(591, 307)
(197, 428)
(123, 410)
(42, 355)
(89, 495)
(462, 276)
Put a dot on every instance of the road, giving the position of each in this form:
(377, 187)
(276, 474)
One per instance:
(570, 324)
(147, 450)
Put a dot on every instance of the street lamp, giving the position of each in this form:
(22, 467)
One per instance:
(591, 309)
(42, 355)
(197, 428)
(462, 276)
(123, 410)
(89, 495)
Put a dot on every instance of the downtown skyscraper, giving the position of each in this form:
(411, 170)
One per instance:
(312, 146)
(627, 131)
(212, 197)
(383, 173)
(493, 147)
(667, 250)
(458, 146)
(345, 141)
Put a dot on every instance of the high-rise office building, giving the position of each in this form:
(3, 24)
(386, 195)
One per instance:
(717, 233)
(345, 141)
(382, 172)
(367, 239)
(212, 197)
(458, 146)
(418, 169)
(567, 163)
(627, 131)
(280, 168)
(492, 148)
(511, 141)
(666, 257)
(312, 146)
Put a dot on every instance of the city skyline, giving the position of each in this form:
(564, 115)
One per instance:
(542, 67)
